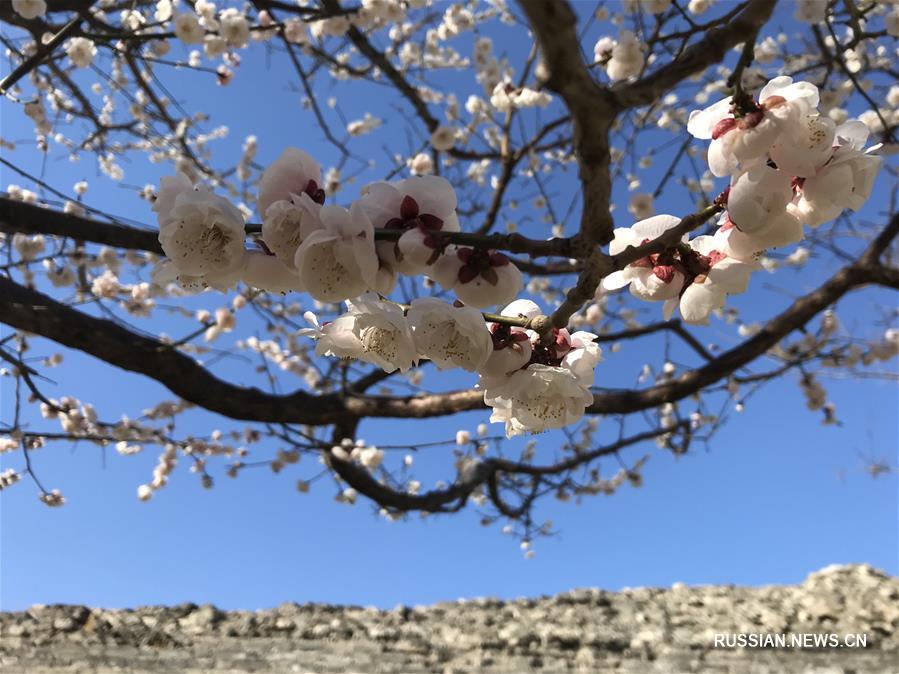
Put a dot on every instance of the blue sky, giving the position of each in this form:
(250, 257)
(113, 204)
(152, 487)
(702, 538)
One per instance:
(777, 494)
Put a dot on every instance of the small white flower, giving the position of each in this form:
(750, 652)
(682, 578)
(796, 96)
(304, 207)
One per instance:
(602, 50)
(338, 261)
(506, 96)
(450, 336)
(29, 9)
(783, 104)
(188, 29)
(374, 331)
(626, 58)
(641, 206)
(371, 457)
(538, 398)
(234, 28)
(512, 351)
(806, 148)
(443, 138)
(295, 31)
(699, 6)
(845, 181)
(287, 223)
(714, 276)
(81, 51)
(757, 217)
(200, 232)
(421, 164)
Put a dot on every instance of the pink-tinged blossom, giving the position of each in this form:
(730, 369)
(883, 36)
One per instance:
(712, 276)
(295, 172)
(419, 207)
(654, 277)
(782, 106)
(480, 278)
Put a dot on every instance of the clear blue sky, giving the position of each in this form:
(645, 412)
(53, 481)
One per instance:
(777, 495)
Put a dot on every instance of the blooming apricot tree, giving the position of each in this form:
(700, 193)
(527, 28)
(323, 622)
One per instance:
(476, 263)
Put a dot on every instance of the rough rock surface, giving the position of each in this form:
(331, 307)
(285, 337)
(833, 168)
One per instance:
(635, 630)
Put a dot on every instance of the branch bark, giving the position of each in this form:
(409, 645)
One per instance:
(592, 111)
(710, 50)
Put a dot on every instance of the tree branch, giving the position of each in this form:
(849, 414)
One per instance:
(710, 50)
(592, 111)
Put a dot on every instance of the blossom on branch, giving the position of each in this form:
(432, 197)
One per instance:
(372, 330)
(338, 261)
(450, 336)
(200, 232)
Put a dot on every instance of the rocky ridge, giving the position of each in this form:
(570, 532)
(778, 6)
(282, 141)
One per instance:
(634, 630)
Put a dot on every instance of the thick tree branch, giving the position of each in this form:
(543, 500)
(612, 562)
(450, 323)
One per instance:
(20, 217)
(710, 50)
(592, 111)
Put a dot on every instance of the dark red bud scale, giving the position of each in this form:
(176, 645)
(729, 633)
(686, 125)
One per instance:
(664, 273)
(467, 274)
(722, 127)
(315, 192)
(430, 222)
(408, 208)
(498, 259)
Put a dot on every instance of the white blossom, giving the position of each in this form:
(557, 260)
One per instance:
(200, 232)
(29, 9)
(655, 277)
(188, 29)
(538, 398)
(81, 51)
(448, 335)
(338, 261)
(295, 172)
(783, 105)
(287, 223)
(845, 181)
(626, 59)
(714, 276)
(372, 330)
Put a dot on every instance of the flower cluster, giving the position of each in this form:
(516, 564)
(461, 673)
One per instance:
(328, 251)
(537, 382)
(533, 381)
(788, 165)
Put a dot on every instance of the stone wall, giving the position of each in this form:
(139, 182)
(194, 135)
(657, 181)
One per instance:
(637, 630)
